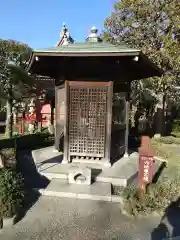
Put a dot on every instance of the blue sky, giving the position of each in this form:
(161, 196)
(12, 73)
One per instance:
(38, 22)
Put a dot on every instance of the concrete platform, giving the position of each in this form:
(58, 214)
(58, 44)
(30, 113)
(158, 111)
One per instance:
(121, 173)
(97, 191)
(46, 155)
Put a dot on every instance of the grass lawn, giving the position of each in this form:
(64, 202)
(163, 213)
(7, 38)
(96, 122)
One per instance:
(165, 188)
(168, 148)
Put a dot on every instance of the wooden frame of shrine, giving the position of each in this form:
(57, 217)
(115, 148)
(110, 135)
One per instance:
(88, 76)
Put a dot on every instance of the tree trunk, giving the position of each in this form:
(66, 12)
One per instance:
(159, 117)
(9, 118)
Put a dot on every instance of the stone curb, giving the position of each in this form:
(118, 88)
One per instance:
(115, 198)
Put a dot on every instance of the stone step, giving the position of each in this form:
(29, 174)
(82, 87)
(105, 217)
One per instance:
(110, 176)
(46, 155)
(97, 191)
(120, 174)
(61, 171)
(123, 174)
(48, 163)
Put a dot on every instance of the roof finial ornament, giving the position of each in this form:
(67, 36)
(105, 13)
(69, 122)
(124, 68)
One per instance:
(93, 36)
(65, 37)
(64, 28)
(94, 30)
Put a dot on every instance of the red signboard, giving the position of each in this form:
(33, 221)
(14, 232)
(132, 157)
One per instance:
(146, 163)
(146, 169)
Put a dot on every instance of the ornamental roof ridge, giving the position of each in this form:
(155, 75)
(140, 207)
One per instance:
(65, 37)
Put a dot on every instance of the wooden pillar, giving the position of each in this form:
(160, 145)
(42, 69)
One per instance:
(108, 125)
(57, 114)
(66, 139)
(126, 154)
(56, 140)
(59, 117)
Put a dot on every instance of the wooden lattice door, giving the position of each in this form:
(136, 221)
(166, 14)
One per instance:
(87, 119)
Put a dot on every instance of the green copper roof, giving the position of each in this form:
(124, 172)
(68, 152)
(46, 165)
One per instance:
(55, 61)
(88, 48)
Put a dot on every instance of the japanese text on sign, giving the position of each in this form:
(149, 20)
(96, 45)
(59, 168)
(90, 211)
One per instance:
(146, 167)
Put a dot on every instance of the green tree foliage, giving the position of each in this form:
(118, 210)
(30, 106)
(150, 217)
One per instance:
(14, 80)
(154, 27)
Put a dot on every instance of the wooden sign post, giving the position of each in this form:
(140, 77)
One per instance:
(146, 164)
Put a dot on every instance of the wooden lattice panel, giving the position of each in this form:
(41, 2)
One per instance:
(87, 120)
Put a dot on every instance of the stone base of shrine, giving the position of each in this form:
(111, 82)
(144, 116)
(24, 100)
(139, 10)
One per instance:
(102, 163)
(84, 180)
(121, 173)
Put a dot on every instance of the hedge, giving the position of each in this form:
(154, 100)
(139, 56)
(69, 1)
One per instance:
(30, 141)
(168, 140)
(176, 125)
(11, 192)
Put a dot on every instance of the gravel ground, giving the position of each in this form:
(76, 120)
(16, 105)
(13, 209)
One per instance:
(70, 219)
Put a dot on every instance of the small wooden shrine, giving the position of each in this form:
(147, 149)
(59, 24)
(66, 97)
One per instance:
(88, 78)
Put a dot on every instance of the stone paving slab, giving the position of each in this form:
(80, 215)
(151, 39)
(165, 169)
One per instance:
(119, 173)
(96, 191)
(62, 168)
(46, 154)
(74, 219)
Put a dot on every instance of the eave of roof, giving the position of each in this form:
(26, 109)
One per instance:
(91, 50)
(84, 50)
(87, 48)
